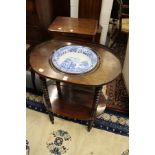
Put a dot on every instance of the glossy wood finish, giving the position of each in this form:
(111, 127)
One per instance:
(74, 25)
(90, 9)
(108, 69)
(75, 102)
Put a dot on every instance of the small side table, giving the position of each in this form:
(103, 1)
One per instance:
(77, 28)
(71, 98)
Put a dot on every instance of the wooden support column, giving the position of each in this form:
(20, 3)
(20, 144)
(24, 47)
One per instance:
(94, 107)
(47, 99)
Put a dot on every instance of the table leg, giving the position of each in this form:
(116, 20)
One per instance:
(58, 87)
(93, 38)
(33, 80)
(47, 99)
(94, 107)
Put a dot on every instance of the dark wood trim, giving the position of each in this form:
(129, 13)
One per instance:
(90, 9)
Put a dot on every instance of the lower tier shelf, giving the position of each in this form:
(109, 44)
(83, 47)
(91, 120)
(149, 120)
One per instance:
(74, 102)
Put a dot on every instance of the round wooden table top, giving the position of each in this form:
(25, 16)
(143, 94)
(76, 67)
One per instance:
(108, 69)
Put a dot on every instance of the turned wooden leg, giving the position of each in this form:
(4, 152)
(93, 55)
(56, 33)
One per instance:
(58, 88)
(93, 38)
(33, 80)
(47, 99)
(94, 107)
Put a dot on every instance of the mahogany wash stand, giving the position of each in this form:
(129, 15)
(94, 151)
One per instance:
(75, 96)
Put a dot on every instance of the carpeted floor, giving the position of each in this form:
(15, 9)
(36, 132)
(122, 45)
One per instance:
(110, 120)
(68, 138)
(118, 98)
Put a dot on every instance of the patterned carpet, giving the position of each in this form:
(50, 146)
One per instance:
(118, 98)
(69, 138)
(112, 121)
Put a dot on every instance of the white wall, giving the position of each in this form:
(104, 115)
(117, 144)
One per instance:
(74, 6)
(104, 19)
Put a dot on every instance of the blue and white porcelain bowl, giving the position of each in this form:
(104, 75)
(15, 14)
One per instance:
(74, 59)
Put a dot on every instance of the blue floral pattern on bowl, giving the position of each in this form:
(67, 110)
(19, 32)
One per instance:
(74, 59)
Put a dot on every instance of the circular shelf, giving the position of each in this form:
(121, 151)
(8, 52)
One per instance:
(75, 102)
